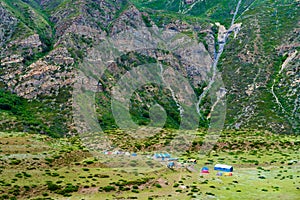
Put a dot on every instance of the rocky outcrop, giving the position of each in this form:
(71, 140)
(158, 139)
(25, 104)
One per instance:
(130, 18)
(47, 75)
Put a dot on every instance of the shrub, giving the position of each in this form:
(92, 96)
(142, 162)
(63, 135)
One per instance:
(18, 175)
(209, 193)
(26, 187)
(52, 186)
(15, 162)
(175, 185)
(109, 188)
(49, 160)
(89, 162)
(45, 194)
(71, 188)
(68, 189)
(54, 174)
(5, 196)
(101, 175)
(135, 187)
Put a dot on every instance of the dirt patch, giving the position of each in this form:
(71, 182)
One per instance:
(88, 190)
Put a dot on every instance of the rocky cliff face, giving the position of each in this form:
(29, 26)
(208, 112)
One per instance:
(43, 42)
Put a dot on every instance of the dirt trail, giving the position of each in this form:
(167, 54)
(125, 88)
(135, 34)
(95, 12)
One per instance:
(283, 66)
(189, 8)
(276, 98)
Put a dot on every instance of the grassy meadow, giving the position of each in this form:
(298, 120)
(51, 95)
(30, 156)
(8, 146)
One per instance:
(266, 166)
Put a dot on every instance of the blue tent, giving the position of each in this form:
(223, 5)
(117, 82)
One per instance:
(133, 154)
(171, 165)
(157, 155)
(162, 155)
(223, 168)
(166, 155)
(204, 169)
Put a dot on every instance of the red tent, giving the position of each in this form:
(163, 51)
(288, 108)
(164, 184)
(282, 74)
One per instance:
(204, 170)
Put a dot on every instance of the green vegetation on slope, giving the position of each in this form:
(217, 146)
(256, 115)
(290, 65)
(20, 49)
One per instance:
(253, 59)
(32, 17)
(213, 10)
(19, 114)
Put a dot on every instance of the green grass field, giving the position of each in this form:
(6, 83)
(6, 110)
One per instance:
(266, 166)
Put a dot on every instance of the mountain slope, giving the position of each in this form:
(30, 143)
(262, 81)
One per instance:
(44, 42)
(262, 93)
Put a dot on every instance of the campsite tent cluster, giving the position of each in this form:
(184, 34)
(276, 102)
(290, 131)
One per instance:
(172, 162)
(119, 153)
(165, 157)
(162, 156)
(225, 170)
(156, 156)
(222, 169)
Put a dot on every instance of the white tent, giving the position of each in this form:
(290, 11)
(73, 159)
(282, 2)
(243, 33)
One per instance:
(224, 168)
